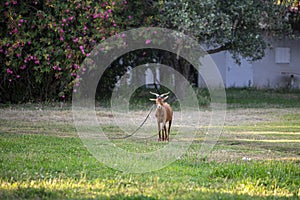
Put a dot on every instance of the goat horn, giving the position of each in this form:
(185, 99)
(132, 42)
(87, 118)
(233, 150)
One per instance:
(157, 95)
(162, 95)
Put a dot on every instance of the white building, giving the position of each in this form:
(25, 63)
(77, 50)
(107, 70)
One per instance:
(279, 68)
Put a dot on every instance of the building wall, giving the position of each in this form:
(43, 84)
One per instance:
(277, 74)
(220, 61)
(281, 62)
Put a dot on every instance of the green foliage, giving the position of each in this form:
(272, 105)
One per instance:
(43, 43)
(238, 26)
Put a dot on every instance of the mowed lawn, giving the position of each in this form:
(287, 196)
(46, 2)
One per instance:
(257, 155)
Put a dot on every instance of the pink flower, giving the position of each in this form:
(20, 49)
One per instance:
(61, 39)
(147, 41)
(82, 49)
(76, 66)
(54, 67)
(129, 17)
(18, 76)
(75, 40)
(9, 71)
(74, 90)
(29, 43)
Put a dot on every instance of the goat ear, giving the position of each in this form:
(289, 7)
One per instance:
(152, 99)
(166, 97)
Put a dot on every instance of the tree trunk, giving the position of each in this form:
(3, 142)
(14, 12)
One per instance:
(184, 70)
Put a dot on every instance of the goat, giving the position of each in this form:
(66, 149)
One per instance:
(163, 114)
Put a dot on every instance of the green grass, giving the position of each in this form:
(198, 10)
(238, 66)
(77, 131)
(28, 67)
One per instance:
(42, 157)
(266, 98)
(49, 167)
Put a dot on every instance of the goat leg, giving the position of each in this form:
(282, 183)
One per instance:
(165, 132)
(169, 128)
(159, 136)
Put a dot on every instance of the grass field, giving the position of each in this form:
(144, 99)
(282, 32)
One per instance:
(256, 157)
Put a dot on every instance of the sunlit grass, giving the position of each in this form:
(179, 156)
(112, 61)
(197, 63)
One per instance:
(130, 187)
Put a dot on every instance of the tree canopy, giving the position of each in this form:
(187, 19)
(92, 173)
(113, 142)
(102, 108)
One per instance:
(239, 26)
(42, 43)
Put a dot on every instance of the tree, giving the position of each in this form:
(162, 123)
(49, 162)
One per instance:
(240, 27)
(292, 13)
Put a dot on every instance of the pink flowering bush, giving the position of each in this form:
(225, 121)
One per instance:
(43, 42)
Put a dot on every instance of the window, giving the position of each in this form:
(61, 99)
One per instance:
(282, 55)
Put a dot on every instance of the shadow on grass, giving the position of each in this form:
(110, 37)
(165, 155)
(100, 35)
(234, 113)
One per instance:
(43, 193)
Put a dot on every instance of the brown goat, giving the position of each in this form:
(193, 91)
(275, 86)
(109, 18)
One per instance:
(163, 114)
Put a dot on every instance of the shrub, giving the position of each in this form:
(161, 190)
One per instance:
(43, 43)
